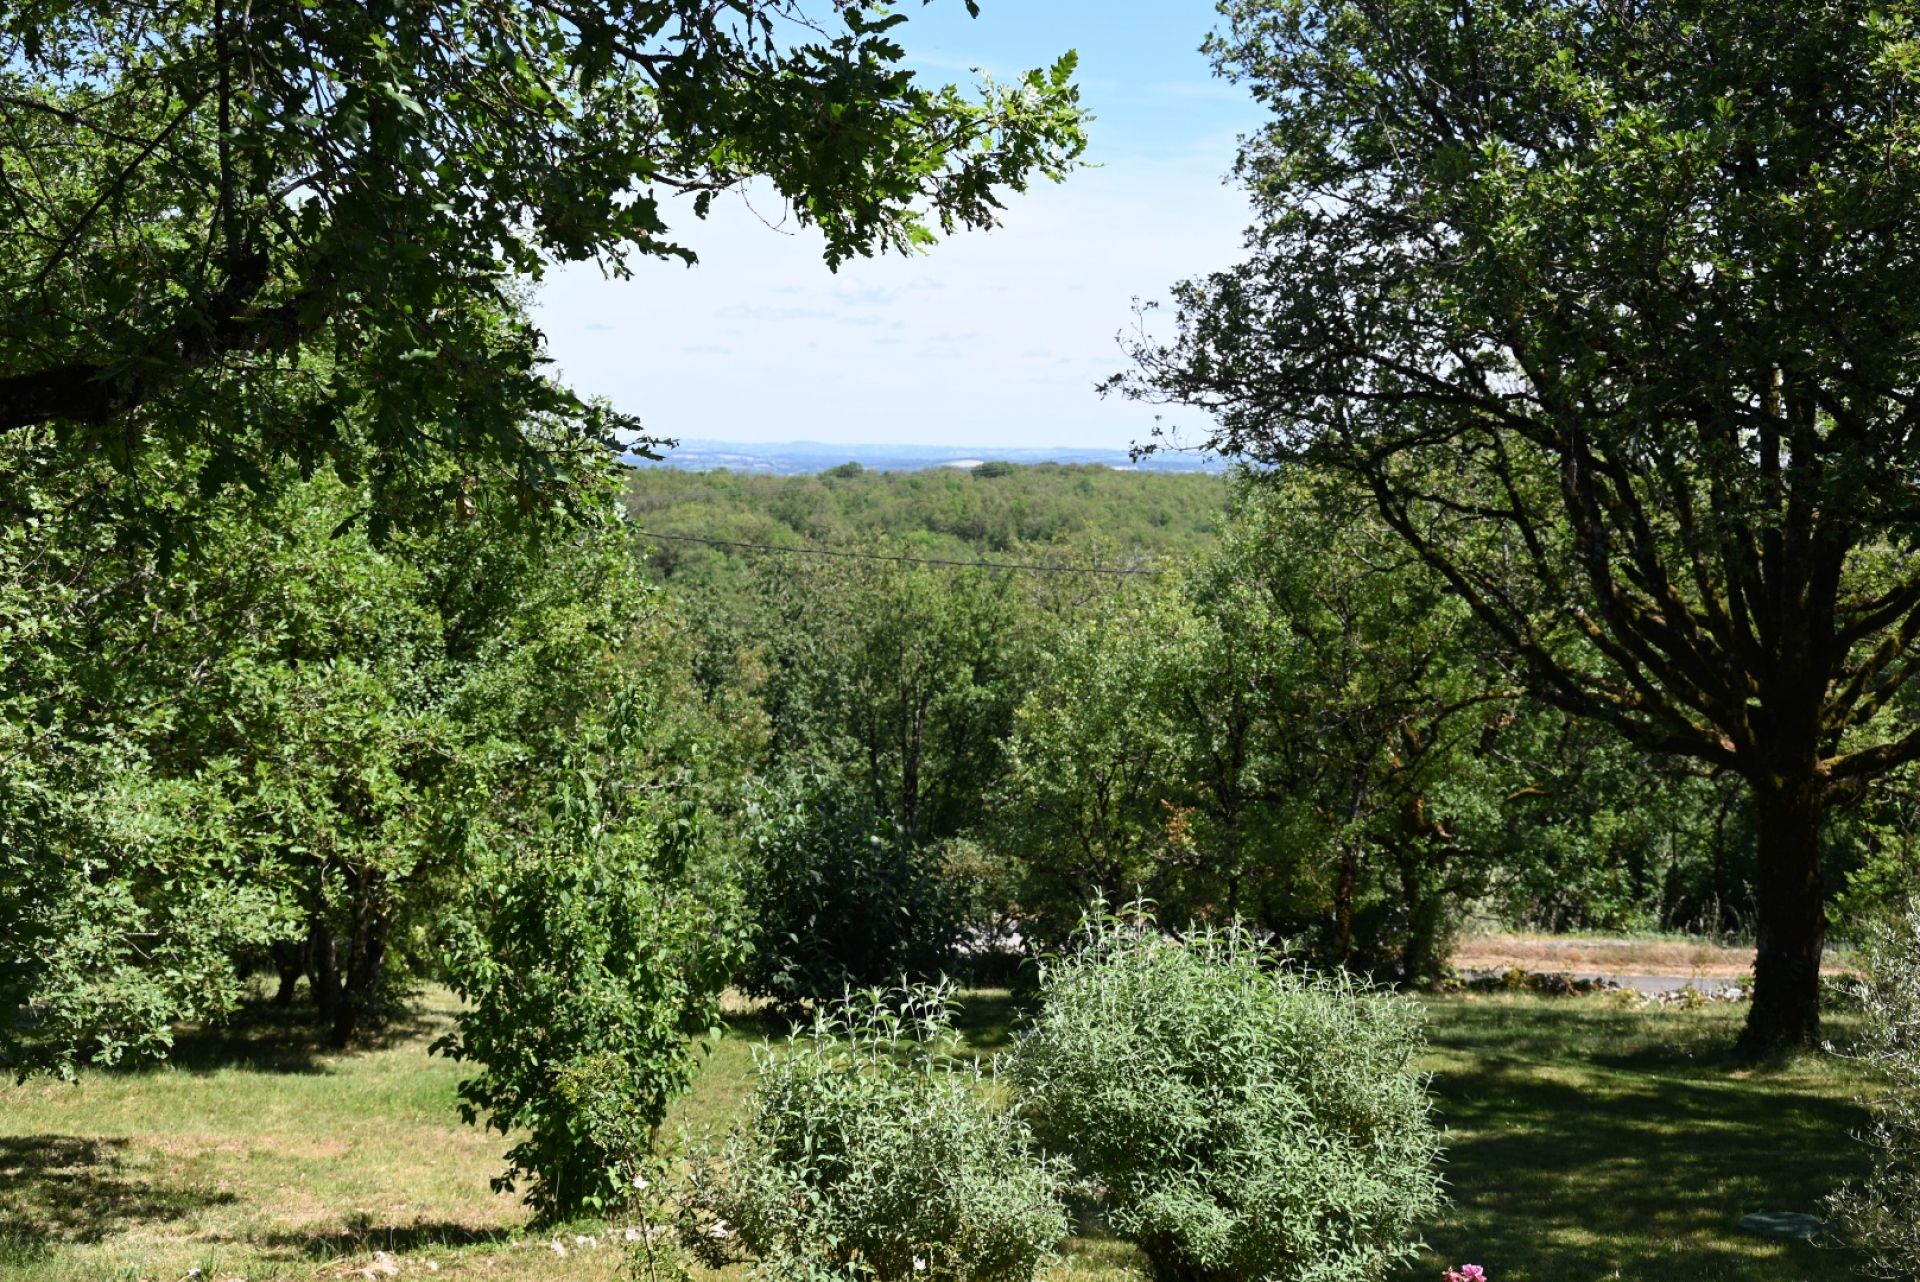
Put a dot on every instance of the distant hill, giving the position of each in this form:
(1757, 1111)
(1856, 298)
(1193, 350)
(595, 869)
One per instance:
(807, 458)
(997, 509)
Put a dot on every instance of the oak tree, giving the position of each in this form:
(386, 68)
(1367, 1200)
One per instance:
(1610, 305)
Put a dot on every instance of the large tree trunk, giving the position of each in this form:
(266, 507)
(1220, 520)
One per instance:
(1791, 921)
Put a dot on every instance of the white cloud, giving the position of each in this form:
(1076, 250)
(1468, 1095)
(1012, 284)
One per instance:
(993, 339)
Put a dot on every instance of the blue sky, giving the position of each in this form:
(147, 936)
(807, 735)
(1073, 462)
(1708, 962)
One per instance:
(989, 339)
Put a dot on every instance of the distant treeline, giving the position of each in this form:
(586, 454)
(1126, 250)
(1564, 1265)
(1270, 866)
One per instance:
(1233, 693)
(1090, 514)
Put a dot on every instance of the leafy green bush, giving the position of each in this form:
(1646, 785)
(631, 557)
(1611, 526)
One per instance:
(588, 960)
(869, 1153)
(1248, 1121)
(1882, 1216)
(839, 897)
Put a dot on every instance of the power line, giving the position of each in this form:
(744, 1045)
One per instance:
(899, 560)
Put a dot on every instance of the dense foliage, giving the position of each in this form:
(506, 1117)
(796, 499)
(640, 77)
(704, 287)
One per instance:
(278, 742)
(589, 955)
(1087, 512)
(1249, 1121)
(886, 687)
(871, 1151)
(1609, 309)
(287, 230)
(471, 752)
(1284, 717)
(840, 897)
(1293, 731)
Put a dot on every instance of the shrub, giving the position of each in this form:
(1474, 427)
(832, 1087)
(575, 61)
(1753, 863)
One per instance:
(586, 960)
(1248, 1121)
(1882, 1216)
(839, 897)
(869, 1152)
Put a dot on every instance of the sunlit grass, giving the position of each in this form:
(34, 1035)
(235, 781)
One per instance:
(254, 1155)
(1594, 1140)
(1588, 1140)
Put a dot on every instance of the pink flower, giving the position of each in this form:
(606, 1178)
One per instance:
(1467, 1273)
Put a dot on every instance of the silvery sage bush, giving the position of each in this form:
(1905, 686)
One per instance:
(1882, 1216)
(1247, 1120)
(871, 1151)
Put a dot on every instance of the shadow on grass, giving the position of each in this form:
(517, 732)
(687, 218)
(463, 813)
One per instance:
(1587, 1142)
(986, 1018)
(763, 1025)
(65, 1189)
(1598, 1032)
(361, 1237)
(264, 1038)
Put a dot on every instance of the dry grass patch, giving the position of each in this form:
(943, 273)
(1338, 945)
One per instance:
(1685, 958)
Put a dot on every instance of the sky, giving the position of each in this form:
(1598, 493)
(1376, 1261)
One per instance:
(994, 338)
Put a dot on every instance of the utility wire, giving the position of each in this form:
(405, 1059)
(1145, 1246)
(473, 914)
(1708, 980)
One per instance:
(901, 560)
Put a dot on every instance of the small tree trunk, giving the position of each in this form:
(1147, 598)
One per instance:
(1422, 953)
(1791, 921)
(360, 995)
(365, 961)
(323, 971)
(1345, 889)
(1231, 851)
(288, 961)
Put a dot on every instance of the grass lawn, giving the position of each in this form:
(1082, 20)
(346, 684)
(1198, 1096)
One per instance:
(1587, 1141)
(1590, 1141)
